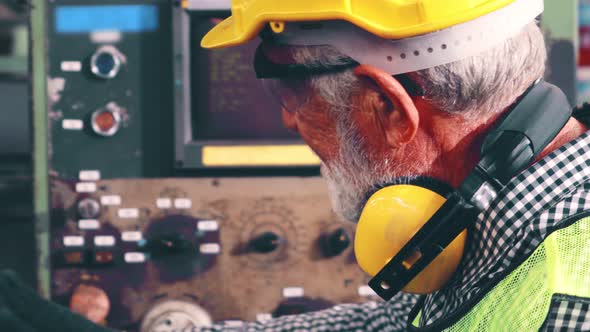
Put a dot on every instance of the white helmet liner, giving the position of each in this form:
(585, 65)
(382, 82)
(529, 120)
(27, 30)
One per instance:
(416, 53)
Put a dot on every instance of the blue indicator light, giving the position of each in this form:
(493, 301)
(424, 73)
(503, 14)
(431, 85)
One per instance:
(124, 18)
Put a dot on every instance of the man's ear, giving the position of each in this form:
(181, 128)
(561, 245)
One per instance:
(400, 119)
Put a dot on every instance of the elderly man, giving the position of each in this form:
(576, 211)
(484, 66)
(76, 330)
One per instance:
(407, 92)
(395, 92)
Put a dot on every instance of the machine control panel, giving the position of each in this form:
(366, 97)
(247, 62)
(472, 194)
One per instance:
(140, 240)
(211, 249)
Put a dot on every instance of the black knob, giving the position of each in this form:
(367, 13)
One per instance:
(335, 243)
(265, 243)
(88, 208)
(105, 64)
(165, 245)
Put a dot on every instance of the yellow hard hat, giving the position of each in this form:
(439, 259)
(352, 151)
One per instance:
(388, 19)
(398, 36)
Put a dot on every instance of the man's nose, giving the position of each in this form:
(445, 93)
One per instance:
(289, 120)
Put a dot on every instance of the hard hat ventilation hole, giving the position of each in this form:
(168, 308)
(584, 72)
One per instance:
(389, 58)
(430, 50)
(417, 53)
(403, 55)
(277, 27)
(443, 46)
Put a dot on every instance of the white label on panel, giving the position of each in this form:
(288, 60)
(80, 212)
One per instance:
(366, 291)
(164, 203)
(183, 203)
(104, 241)
(134, 257)
(293, 292)
(72, 124)
(131, 236)
(110, 200)
(210, 248)
(71, 66)
(85, 187)
(91, 175)
(263, 317)
(105, 36)
(208, 226)
(128, 213)
(87, 224)
(73, 241)
(233, 323)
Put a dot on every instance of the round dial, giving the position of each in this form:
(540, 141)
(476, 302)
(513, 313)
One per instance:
(175, 315)
(270, 238)
(181, 246)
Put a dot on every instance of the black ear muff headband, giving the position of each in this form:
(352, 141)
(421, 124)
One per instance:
(532, 123)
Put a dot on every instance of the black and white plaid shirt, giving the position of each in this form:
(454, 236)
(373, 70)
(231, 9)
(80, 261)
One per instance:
(533, 204)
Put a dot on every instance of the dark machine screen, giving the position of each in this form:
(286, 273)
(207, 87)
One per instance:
(228, 102)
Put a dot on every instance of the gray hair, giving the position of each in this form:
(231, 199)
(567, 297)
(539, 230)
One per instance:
(486, 83)
(481, 84)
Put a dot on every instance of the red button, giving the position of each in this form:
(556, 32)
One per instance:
(103, 257)
(74, 257)
(106, 122)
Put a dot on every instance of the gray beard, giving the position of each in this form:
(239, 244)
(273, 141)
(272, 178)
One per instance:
(346, 197)
(351, 177)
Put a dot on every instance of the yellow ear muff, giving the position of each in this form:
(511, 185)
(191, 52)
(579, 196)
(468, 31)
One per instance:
(391, 217)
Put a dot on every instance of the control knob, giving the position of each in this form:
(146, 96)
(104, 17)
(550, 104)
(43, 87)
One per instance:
(181, 247)
(175, 315)
(165, 245)
(265, 243)
(88, 208)
(335, 243)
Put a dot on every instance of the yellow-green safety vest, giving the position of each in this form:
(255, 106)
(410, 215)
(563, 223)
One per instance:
(560, 266)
